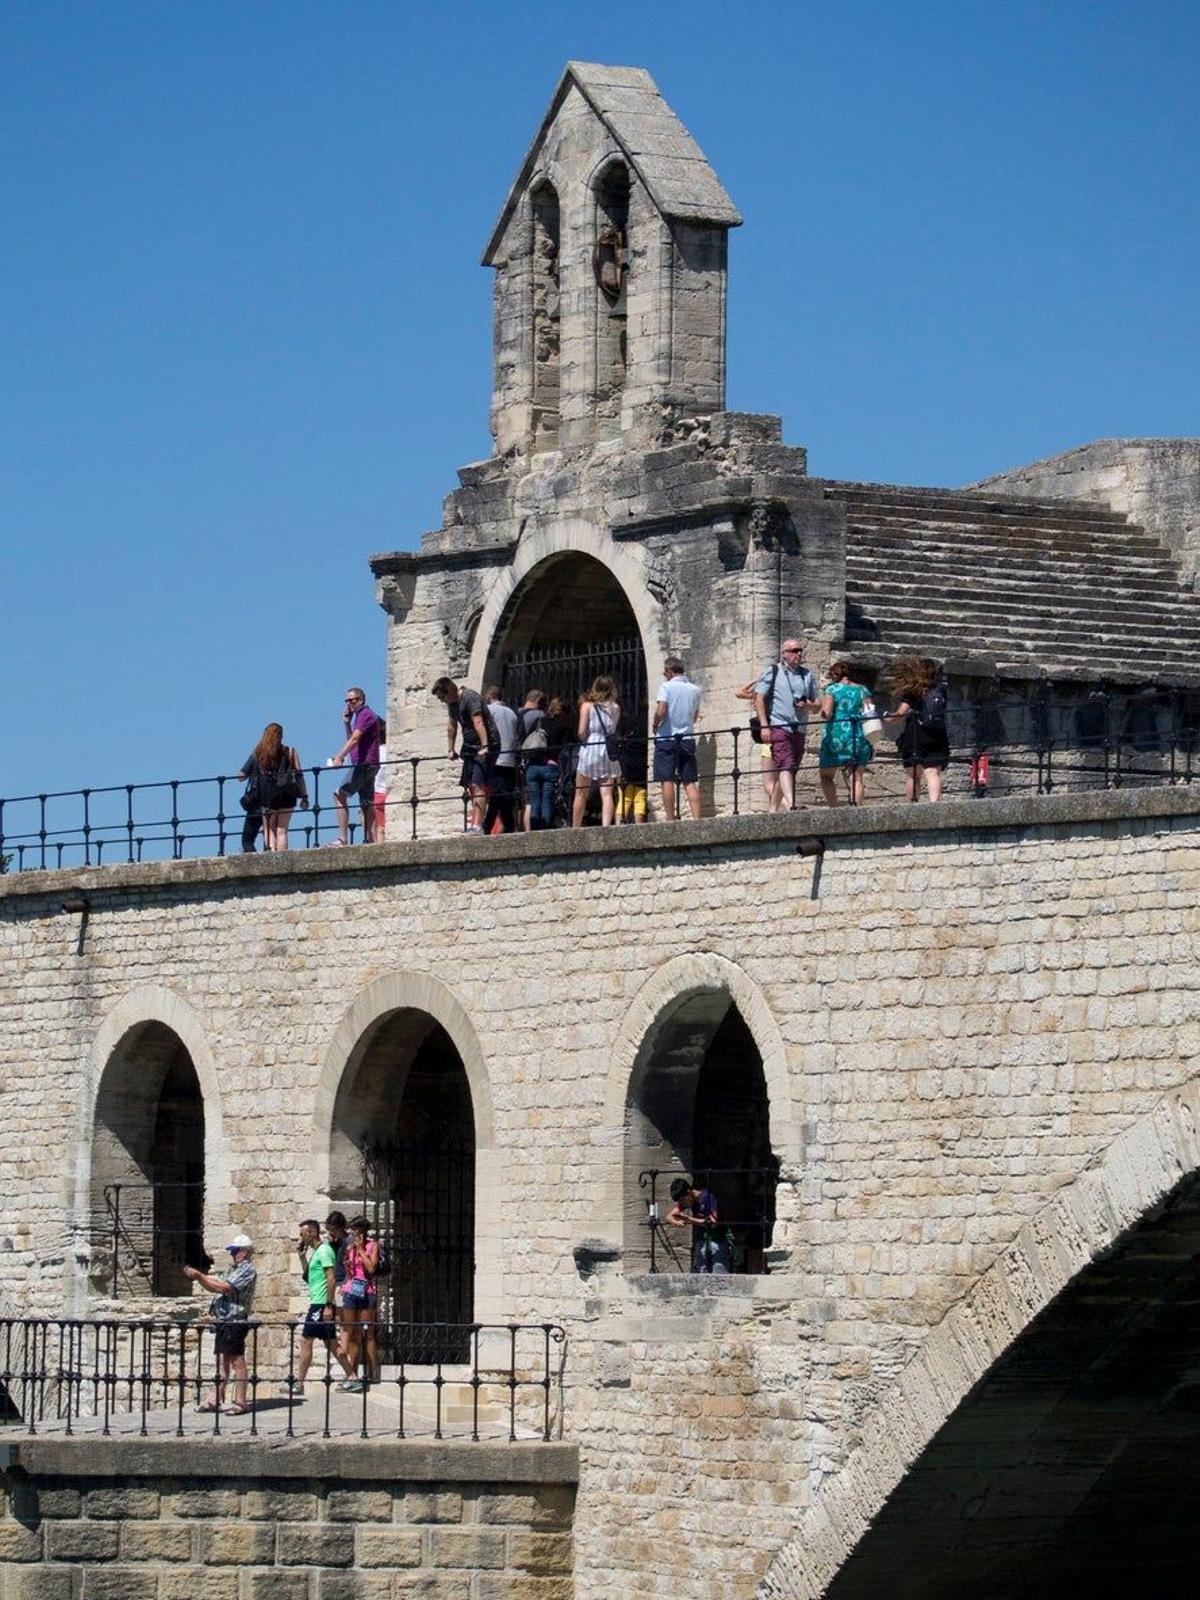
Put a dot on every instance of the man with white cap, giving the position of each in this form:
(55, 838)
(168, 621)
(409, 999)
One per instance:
(230, 1313)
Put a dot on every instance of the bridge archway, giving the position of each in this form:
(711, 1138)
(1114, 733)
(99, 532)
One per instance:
(1071, 1467)
(150, 1112)
(572, 605)
(404, 1133)
(1144, 1182)
(700, 1087)
(146, 1199)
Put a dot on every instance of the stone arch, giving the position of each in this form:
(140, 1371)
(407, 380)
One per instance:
(696, 991)
(153, 1016)
(1138, 1171)
(567, 540)
(433, 1012)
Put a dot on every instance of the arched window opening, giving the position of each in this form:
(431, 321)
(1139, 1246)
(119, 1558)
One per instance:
(403, 1152)
(698, 1107)
(545, 317)
(147, 1181)
(567, 624)
(610, 260)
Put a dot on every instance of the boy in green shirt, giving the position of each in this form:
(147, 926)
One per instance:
(317, 1262)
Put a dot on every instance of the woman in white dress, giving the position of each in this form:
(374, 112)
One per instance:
(599, 719)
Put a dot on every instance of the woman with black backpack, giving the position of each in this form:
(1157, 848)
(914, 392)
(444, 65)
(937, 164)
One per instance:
(923, 744)
(275, 785)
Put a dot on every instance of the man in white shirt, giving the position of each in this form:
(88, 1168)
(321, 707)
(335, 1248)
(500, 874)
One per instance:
(675, 713)
(503, 801)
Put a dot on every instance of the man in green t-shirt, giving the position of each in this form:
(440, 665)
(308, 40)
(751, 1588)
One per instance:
(317, 1263)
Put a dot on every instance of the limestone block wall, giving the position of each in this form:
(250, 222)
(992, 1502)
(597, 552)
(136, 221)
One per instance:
(109, 1522)
(959, 1010)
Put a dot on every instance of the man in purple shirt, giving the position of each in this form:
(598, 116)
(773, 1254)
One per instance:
(362, 749)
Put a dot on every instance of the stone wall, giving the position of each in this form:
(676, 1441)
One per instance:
(156, 1521)
(959, 1009)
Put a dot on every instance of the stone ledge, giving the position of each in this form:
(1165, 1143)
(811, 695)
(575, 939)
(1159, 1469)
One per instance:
(888, 824)
(360, 1460)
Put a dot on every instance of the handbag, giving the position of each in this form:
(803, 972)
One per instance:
(357, 1292)
(756, 727)
(288, 782)
(612, 745)
(872, 723)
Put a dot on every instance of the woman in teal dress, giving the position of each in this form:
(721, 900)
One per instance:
(844, 744)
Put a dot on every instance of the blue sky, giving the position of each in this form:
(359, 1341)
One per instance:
(246, 336)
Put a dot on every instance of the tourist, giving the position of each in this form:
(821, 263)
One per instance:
(362, 746)
(318, 1263)
(480, 744)
(920, 708)
(698, 1210)
(599, 719)
(676, 708)
(359, 1303)
(538, 776)
(230, 1314)
(275, 786)
(501, 813)
(770, 778)
(560, 757)
(844, 745)
(784, 695)
(383, 780)
(632, 797)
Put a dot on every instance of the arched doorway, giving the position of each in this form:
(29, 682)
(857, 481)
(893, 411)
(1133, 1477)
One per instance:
(403, 1152)
(147, 1171)
(566, 623)
(698, 1105)
(1071, 1466)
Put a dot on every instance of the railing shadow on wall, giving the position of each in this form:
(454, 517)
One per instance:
(1039, 743)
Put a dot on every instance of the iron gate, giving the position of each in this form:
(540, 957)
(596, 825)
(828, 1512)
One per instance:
(569, 670)
(420, 1200)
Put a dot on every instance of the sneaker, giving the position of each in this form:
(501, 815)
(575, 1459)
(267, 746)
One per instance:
(334, 844)
(293, 1386)
(352, 1386)
(474, 828)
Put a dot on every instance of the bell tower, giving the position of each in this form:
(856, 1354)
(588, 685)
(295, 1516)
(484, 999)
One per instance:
(610, 259)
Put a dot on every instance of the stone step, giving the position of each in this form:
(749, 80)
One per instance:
(1145, 619)
(1100, 654)
(948, 502)
(1162, 599)
(1028, 543)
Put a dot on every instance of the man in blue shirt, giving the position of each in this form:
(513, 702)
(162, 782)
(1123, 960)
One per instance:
(675, 713)
(783, 696)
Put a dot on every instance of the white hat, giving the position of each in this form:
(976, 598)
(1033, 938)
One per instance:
(240, 1242)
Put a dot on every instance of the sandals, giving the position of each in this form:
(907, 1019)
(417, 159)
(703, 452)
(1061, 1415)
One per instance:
(235, 1410)
(209, 1405)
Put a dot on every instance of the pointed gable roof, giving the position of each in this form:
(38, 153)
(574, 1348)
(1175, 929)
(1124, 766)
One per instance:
(656, 144)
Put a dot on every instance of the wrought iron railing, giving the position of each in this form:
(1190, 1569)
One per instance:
(146, 1254)
(69, 1376)
(1039, 743)
(734, 1242)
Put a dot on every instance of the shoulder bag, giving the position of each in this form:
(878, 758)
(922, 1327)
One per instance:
(756, 727)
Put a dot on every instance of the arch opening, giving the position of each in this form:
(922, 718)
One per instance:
(611, 265)
(147, 1170)
(1070, 1466)
(698, 1105)
(566, 624)
(545, 316)
(403, 1152)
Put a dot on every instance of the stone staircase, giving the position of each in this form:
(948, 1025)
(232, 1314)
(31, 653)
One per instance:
(1021, 588)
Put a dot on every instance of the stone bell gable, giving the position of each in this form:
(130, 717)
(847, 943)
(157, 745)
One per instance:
(610, 262)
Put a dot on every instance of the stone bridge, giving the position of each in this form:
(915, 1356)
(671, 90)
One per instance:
(962, 1040)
